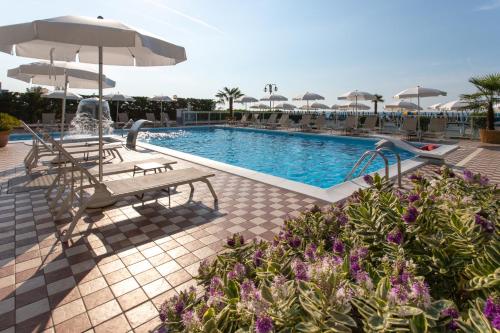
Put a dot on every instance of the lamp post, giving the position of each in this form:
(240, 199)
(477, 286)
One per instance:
(269, 88)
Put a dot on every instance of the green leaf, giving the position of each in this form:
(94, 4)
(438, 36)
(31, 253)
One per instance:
(266, 294)
(307, 327)
(209, 314)
(210, 326)
(232, 289)
(376, 323)
(418, 324)
(383, 288)
(343, 318)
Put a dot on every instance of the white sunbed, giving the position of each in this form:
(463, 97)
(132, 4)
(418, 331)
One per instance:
(117, 189)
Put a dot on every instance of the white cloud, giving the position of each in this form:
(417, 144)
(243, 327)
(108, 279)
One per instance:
(495, 4)
(196, 20)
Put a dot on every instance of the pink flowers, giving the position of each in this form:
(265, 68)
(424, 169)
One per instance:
(368, 179)
(264, 324)
(395, 237)
(486, 225)
(492, 311)
(410, 215)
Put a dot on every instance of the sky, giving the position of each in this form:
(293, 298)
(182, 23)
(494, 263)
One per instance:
(324, 46)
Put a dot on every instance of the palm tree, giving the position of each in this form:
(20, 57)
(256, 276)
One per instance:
(229, 95)
(486, 97)
(376, 100)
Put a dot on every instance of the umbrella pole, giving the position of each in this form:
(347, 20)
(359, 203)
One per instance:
(100, 113)
(418, 115)
(117, 109)
(64, 104)
(161, 112)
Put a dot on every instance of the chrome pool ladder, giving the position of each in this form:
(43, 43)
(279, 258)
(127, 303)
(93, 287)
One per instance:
(371, 155)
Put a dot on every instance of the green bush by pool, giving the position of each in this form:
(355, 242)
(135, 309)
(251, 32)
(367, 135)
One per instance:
(423, 260)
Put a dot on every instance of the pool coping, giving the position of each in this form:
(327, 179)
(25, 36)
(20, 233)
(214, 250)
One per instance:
(332, 194)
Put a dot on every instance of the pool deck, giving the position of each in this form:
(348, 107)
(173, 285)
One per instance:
(125, 260)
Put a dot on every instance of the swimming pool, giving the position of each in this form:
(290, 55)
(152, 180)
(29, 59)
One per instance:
(317, 160)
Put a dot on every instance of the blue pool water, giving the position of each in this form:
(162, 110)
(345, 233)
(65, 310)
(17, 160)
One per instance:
(321, 161)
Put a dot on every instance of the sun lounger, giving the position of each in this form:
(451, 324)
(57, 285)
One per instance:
(49, 120)
(282, 122)
(350, 124)
(60, 180)
(253, 121)
(304, 123)
(165, 120)
(368, 125)
(117, 189)
(409, 127)
(271, 120)
(152, 118)
(437, 128)
(319, 123)
(40, 148)
(242, 121)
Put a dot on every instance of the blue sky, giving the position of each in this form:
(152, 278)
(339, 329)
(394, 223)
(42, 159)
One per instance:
(323, 46)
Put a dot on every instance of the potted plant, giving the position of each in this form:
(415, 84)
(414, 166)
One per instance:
(7, 123)
(486, 97)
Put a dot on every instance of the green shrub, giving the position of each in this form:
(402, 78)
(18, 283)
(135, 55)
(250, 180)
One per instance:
(8, 122)
(423, 260)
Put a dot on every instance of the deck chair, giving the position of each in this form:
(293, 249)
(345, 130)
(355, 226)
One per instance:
(59, 181)
(350, 124)
(409, 127)
(117, 189)
(152, 118)
(368, 125)
(40, 148)
(319, 123)
(437, 128)
(243, 120)
(272, 119)
(254, 120)
(304, 123)
(49, 120)
(165, 120)
(122, 118)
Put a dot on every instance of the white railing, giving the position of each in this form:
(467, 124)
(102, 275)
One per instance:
(203, 117)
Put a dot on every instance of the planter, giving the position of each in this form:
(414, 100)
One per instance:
(489, 136)
(4, 138)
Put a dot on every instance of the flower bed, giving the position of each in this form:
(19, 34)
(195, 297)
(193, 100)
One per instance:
(424, 260)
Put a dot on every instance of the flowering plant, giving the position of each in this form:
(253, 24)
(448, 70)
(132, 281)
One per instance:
(384, 260)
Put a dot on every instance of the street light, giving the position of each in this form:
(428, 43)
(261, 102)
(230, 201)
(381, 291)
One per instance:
(269, 88)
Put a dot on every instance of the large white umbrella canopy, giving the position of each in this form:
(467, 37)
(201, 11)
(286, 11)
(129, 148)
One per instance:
(161, 99)
(355, 106)
(117, 97)
(336, 107)
(285, 106)
(260, 106)
(356, 95)
(246, 99)
(274, 98)
(90, 40)
(60, 94)
(419, 92)
(402, 105)
(60, 74)
(319, 106)
(436, 106)
(79, 76)
(454, 106)
(308, 96)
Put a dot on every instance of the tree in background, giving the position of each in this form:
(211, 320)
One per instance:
(486, 97)
(229, 95)
(376, 100)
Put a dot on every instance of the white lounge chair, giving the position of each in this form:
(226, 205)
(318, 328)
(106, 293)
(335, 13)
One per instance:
(319, 123)
(304, 123)
(152, 118)
(40, 148)
(117, 189)
(409, 127)
(350, 124)
(368, 125)
(436, 128)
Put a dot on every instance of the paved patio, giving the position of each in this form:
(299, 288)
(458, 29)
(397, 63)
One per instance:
(127, 259)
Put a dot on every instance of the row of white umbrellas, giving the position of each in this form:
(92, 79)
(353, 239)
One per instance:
(88, 40)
